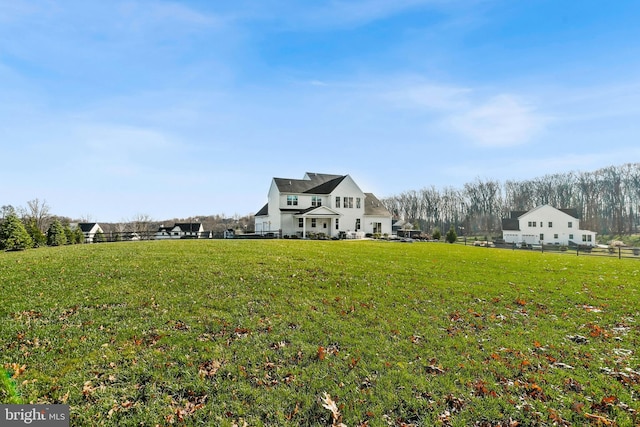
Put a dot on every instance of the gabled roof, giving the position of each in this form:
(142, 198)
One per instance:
(86, 227)
(317, 183)
(571, 211)
(373, 206)
(511, 224)
(318, 211)
(188, 226)
(264, 211)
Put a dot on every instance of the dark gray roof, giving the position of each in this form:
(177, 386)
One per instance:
(264, 211)
(373, 206)
(571, 212)
(86, 226)
(511, 224)
(188, 226)
(319, 183)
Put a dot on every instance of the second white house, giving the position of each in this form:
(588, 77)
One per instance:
(548, 225)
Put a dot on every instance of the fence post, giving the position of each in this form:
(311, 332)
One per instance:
(619, 252)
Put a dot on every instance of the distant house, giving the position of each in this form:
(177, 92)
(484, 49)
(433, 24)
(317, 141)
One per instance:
(181, 230)
(321, 203)
(89, 229)
(548, 225)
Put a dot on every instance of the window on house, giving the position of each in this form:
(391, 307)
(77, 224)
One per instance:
(357, 224)
(292, 200)
(541, 224)
(347, 202)
(570, 224)
(555, 236)
(316, 201)
(300, 222)
(584, 237)
(337, 224)
(324, 225)
(550, 224)
(357, 202)
(337, 201)
(570, 236)
(313, 223)
(541, 237)
(532, 223)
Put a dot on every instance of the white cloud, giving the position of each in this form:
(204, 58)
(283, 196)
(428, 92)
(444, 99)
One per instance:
(501, 121)
(431, 96)
(484, 119)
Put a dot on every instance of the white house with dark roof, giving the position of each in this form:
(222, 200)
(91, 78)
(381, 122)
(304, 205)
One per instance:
(548, 225)
(89, 229)
(321, 203)
(181, 230)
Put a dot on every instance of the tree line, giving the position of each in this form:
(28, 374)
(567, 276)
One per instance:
(607, 201)
(35, 226)
(27, 232)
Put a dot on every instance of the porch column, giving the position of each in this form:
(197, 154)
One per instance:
(304, 227)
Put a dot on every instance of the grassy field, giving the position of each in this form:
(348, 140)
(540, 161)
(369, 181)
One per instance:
(319, 333)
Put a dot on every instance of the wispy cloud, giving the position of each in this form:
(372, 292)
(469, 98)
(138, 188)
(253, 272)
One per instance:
(500, 121)
(486, 120)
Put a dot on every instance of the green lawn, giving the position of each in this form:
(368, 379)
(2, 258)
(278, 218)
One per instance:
(224, 332)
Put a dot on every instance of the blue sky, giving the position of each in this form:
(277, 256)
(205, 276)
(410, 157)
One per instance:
(110, 109)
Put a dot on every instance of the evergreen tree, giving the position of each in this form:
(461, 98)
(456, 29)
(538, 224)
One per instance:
(56, 235)
(78, 235)
(69, 234)
(451, 236)
(98, 237)
(38, 237)
(13, 235)
(436, 234)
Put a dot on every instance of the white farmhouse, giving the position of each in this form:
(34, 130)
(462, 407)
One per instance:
(89, 229)
(548, 225)
(184, 230)
(321, 203)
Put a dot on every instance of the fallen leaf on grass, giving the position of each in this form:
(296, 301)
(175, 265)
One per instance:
(435, 370)
(578, 339)
(329, 404)
(599, 419)
(17, 369)
(322, 353)
(209, 369)
(561, 365)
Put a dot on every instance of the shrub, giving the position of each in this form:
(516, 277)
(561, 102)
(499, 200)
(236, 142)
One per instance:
(451, 236)
(13, 235)
(436, 234)
(98, 237)
(78, 235)
(37, 236)
(56, 235)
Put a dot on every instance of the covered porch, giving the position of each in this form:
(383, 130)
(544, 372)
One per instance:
(318, 220)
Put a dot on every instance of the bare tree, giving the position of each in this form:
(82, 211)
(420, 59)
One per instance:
(143, 226)
(39, 212)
